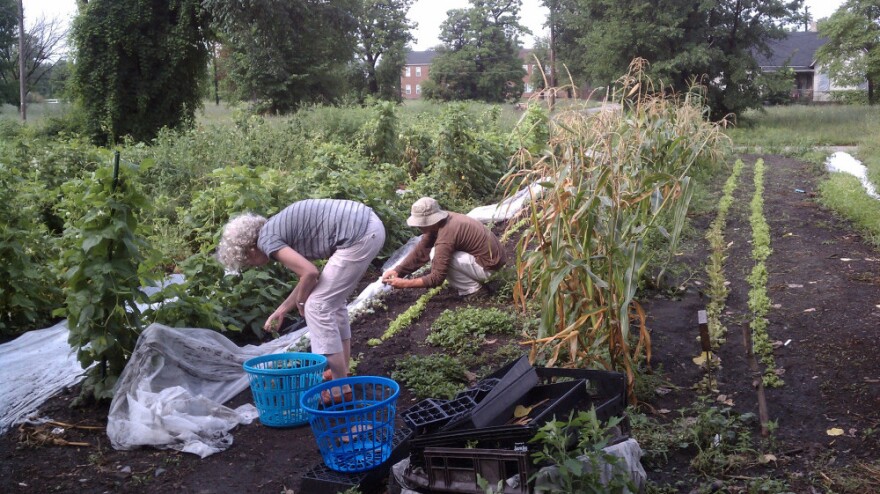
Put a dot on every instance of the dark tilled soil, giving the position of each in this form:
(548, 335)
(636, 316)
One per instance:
(825, 289)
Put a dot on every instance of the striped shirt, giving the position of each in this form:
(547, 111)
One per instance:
(315, 228)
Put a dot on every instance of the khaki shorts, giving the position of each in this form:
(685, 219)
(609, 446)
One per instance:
(325, 310)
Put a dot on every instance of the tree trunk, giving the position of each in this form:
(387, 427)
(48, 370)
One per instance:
(871, 100)
(22, 86)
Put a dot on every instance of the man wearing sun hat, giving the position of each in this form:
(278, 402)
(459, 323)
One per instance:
(460, 248)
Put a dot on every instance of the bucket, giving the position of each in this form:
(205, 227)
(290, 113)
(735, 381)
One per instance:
(355, 432)
(278, 382)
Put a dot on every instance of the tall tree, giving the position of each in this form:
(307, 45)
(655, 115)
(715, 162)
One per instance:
(286, 52)
(710, 41)
(43, 42)
(852, 53)
(383, 32)
(479, 55)
(8, 46)
(139, 64)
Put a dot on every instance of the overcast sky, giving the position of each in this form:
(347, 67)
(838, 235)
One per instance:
(427, 13)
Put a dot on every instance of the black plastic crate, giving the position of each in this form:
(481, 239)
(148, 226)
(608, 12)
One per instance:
(514, 381)
(606, 389)
(429, 415)
(457, 470)
(480, 390)
(499, 432)
(321, 478)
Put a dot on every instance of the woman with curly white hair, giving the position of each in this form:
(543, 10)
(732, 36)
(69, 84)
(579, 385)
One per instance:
(346, 233)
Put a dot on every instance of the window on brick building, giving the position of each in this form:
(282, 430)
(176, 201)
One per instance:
(408, 73)
(408, 89)
(418, 72)
(526, 68)
(418, 89)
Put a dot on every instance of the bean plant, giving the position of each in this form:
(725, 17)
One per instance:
(100, 265)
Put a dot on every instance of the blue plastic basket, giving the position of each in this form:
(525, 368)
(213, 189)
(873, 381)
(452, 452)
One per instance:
(355, 434)
(277, 383)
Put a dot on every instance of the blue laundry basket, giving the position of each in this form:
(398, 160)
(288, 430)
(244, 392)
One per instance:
(355, 434)
(277, 383)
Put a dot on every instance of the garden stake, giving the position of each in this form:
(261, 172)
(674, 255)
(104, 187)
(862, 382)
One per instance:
(758, 381)
(705, 343)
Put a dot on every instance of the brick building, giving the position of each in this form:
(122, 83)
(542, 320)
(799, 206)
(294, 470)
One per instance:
(418, 66)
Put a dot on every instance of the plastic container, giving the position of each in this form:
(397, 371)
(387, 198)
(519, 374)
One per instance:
(355, 433)
(546, 402)
(480, 390)
(320, 478)
(429, 415)
(514, 381)
(458, 470)
(278, 382)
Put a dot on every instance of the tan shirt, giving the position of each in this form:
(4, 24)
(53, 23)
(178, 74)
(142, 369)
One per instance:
(459, 233)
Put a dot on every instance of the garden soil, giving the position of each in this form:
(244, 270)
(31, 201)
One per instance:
(824, 287)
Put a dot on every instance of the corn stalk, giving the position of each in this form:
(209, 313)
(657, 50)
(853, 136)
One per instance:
(606, 178)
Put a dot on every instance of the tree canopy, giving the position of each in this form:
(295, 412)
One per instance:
(479, 55)
(282, 53)
(852, 54)
(8, 46)
(382, 34)
(139, 64)
(711, 42)
(43, 41)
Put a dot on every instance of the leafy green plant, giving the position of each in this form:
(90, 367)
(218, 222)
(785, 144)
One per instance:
(30, 289)
(463, 330)
(100, 265)
(722, 439)
(432, 376)
(209, 298)
(467, 163)
(580, 467)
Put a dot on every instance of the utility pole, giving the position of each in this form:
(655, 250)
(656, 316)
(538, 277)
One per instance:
(22, 86)
(552, 56)
(216, 83)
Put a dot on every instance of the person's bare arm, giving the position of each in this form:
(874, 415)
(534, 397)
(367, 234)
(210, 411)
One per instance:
(308, 278)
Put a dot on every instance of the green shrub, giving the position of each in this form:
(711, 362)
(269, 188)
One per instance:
(463, 330)
(29, 291)
(209, 298)
(850, 97)
(581, 468)
(433, 376)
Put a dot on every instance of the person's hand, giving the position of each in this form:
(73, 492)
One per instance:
(389, 276)
(398, 282)
(273, 323)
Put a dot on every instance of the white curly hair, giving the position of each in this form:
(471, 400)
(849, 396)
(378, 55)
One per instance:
(238, 239)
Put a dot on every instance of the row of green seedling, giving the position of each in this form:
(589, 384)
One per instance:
(718, 290)
(759, 301)
(407, 317)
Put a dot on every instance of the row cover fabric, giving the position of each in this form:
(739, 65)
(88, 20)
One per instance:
(171, 392)
(34, 367)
